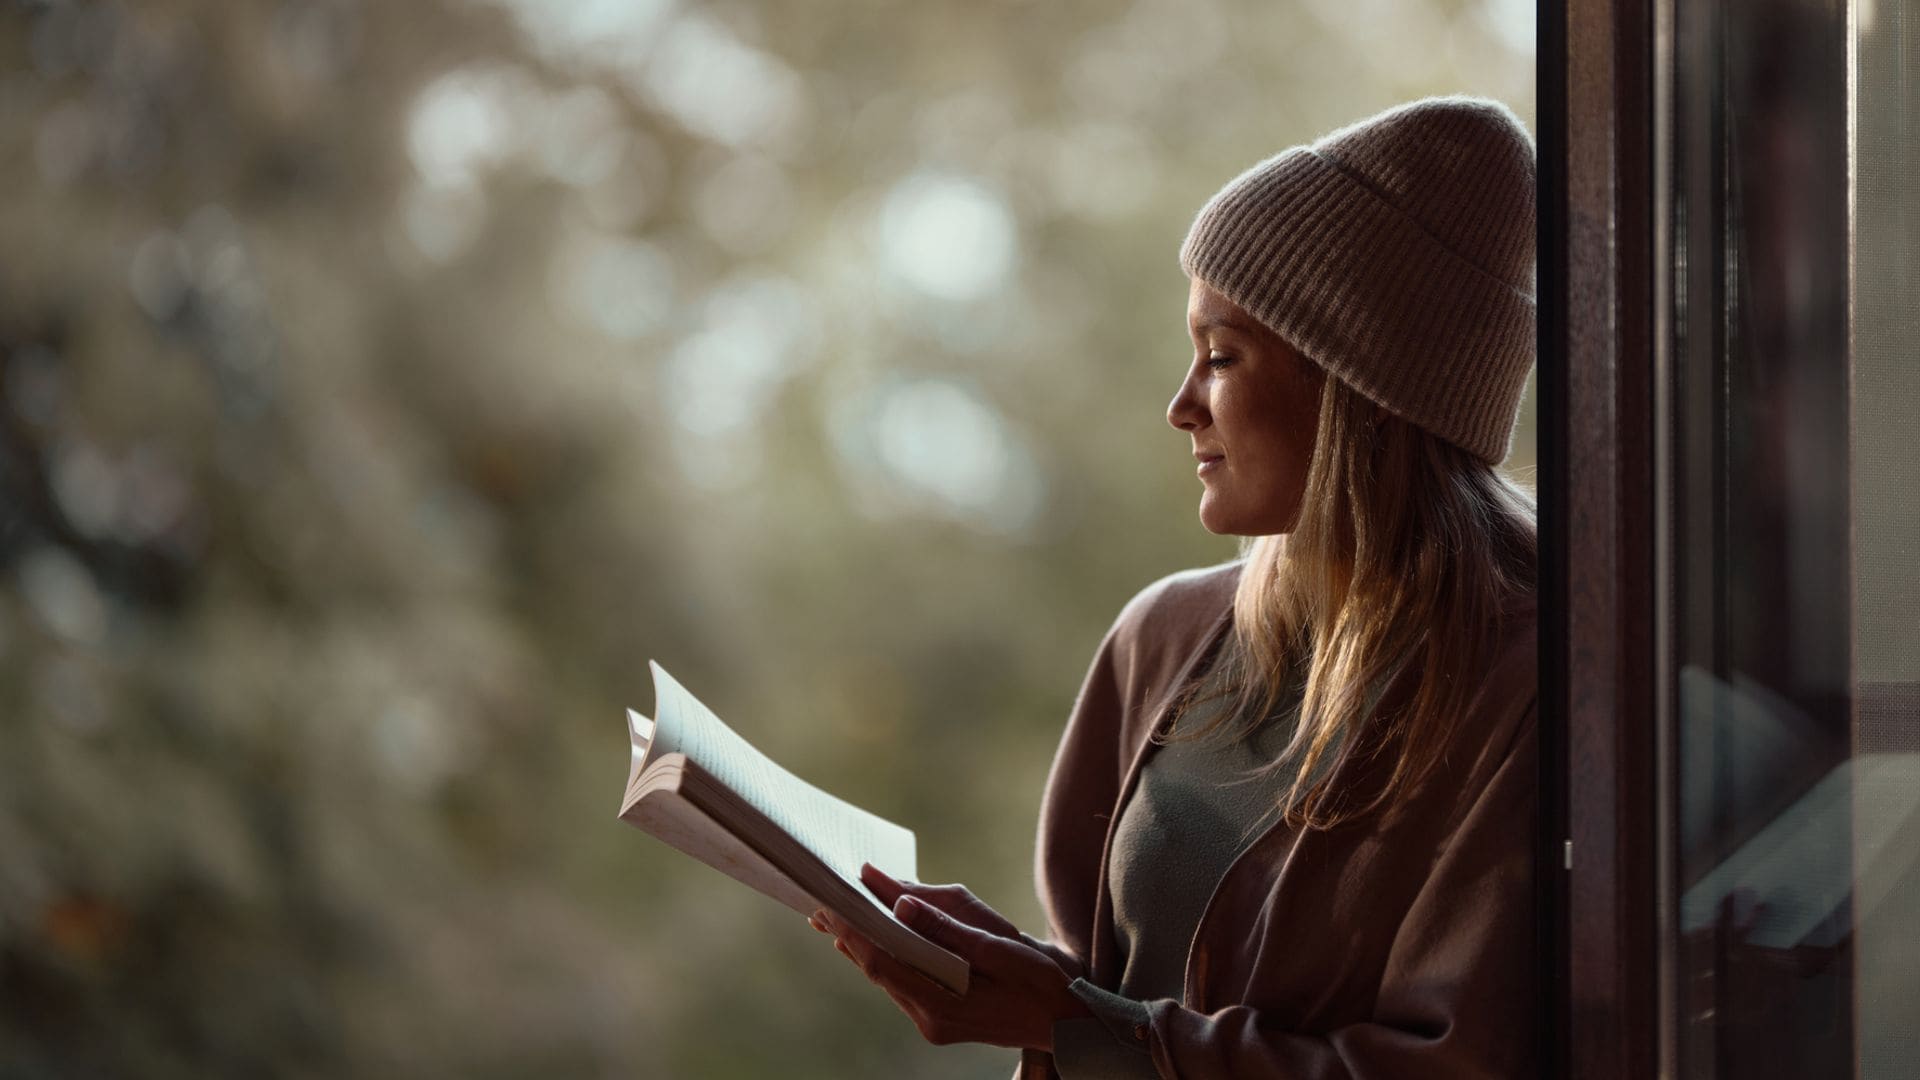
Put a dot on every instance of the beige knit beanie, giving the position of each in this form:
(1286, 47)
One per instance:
(1398, 254)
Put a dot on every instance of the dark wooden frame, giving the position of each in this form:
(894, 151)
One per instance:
(1598, 514)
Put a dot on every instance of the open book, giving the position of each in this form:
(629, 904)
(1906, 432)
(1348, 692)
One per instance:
(705, 790)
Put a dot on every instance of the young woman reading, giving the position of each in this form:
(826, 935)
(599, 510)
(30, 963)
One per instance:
(1289, 832)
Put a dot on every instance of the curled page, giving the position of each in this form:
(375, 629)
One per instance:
(841, 834)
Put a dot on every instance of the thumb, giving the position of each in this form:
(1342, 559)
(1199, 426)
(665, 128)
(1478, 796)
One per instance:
(942, 929)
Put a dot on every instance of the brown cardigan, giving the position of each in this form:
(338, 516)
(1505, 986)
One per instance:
(1375, 950)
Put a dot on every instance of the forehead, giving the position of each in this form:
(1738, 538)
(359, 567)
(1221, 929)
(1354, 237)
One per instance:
(1208, 309)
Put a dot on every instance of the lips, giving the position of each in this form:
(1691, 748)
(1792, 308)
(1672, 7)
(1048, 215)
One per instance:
(1208, 462)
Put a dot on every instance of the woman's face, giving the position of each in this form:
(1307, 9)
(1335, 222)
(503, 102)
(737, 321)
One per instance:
(1251, 403)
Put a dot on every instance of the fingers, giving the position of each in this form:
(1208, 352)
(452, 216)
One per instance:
(1013, 1000)
(876, 963)
(956, 900)
(936, 1011)
(851, 943)
(948, 898)
(976, 947)
(881, 884)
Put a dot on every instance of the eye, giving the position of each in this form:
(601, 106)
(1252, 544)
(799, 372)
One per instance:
(1216, 361)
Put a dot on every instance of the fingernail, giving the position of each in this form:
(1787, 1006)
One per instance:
(909, 910)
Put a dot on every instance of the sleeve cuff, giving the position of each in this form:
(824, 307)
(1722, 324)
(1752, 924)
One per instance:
(1110, 1043)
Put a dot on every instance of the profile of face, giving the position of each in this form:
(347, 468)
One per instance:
(1251, 403)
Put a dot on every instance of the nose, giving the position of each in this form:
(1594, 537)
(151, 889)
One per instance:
(1187, 411)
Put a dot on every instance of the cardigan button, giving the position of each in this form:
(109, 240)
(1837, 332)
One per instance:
(1140, 1032)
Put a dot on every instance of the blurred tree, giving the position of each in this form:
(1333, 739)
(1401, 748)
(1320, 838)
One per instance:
(381, 384)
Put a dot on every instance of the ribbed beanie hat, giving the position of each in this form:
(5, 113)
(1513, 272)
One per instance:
(1398, 254)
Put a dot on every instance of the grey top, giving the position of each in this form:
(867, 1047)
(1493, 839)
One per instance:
(1198, 804)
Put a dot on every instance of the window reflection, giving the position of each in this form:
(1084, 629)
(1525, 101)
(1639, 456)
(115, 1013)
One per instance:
(1796, 802)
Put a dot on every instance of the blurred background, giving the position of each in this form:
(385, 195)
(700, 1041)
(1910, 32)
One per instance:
(382, 384)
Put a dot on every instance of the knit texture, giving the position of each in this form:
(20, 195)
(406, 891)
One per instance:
(1397, 253)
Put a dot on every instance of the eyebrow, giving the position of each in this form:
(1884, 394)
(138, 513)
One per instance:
(1218, 321)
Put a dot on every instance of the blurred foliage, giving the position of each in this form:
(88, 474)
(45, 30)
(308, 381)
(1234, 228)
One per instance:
(382, 384)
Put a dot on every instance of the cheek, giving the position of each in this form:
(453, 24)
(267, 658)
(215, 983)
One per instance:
(1296, 420)
(1307, 420)
(1278, 433)
(1302, 434)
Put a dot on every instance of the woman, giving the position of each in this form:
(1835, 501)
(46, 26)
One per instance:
(1289, 831)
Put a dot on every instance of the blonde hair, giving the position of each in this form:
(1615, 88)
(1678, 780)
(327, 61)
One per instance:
(1406, 552)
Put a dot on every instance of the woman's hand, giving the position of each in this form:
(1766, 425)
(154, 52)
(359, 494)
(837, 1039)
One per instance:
(1015, 993)
(959, 902)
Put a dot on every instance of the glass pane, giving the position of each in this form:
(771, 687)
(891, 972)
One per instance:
(1795, 504)
(1886, 499)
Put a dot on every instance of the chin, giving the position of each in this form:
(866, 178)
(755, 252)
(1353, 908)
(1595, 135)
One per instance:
(1226, 525)
(1219, 528)
(1222, 521)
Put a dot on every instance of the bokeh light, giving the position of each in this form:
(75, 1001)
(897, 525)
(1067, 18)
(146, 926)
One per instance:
(381, 385)
(948, 236)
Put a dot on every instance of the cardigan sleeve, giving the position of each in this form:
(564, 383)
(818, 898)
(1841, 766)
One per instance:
(1108, 1045)
(1457, 999)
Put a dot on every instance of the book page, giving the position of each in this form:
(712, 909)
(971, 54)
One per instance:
(669, 817)
(841, 834)
(640, 734)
